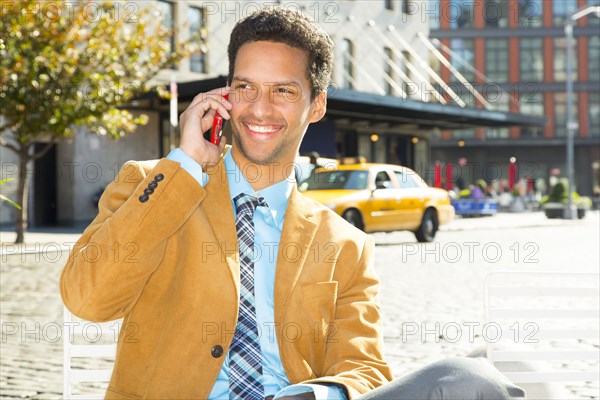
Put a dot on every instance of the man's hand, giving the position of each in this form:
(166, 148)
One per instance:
(197, 119)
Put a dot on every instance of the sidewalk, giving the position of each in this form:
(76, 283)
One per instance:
(62, 238)
(40, 239)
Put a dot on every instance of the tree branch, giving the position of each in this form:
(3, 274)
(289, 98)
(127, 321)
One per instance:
(42, 153)
(4, 143)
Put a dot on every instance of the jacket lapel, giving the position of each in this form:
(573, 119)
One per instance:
(218, 211)
(299, 228)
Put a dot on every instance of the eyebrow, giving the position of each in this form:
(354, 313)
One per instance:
(280, 83)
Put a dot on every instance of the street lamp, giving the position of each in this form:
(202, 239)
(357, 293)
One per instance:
(571, 211)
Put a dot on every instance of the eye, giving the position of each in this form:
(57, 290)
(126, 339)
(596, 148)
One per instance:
(243, 86)
(284, 90)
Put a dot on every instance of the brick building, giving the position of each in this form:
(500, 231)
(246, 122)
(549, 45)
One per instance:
(514, 53)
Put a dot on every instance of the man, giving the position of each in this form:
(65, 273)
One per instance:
(239, 286)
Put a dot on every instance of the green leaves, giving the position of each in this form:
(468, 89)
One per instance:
(6, 199)
(77, 63)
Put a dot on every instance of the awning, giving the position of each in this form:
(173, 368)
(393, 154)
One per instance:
(359, 106)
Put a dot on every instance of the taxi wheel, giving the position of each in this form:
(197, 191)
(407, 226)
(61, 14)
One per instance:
(428, 228)
(353, 216)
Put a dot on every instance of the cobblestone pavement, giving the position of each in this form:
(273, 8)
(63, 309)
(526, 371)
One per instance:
(421, 285)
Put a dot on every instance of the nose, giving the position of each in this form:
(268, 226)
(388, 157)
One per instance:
(261, 104)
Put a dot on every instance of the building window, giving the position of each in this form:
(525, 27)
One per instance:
(463, 134)
(592, 19)
(531, 59)
(499, 100)
(594, 58)
(531, 13)
(167, 13)
(196, 23)
(463, 58)
(532, 104)
(406, 79)
(497, 133)
(461, 13)
(560, 59)
(496, 59)
(389, 71)
(594, 113)
(433, 15)
(560, 113)
(347, 61)
(389, 4)
(495, 13)
(561, 10)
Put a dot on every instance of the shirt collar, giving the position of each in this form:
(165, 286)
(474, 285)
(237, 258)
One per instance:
(277, 195)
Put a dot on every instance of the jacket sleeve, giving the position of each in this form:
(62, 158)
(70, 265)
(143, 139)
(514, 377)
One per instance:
(354, 355)
(110, 264)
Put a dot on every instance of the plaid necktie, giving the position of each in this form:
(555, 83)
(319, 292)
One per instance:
(245, 369)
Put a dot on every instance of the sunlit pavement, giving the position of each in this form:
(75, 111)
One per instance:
(427, 286)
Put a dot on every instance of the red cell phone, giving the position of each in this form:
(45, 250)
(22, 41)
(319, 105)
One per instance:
(217, 128)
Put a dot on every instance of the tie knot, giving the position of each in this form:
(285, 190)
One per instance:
(245, 203)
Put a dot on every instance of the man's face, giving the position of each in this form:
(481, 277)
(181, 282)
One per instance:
(271, 103)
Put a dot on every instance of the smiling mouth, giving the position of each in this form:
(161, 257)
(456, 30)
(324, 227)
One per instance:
(261, 131)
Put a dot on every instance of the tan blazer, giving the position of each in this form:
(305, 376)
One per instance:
(168, 264)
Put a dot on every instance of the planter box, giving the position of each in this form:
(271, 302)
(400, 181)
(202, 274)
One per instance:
(557, 210)
(472, 207)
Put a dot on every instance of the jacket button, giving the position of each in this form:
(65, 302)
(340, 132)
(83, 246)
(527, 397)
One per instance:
(159, 177)
(143, 198)
(217, 351)
(148, 191)
(152, 185)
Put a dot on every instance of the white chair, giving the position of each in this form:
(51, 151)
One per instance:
(93, 347)
(543, 327)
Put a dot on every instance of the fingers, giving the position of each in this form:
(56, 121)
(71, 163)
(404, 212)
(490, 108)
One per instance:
(215, 94)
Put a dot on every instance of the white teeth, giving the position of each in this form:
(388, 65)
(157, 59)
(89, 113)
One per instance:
(262, 129)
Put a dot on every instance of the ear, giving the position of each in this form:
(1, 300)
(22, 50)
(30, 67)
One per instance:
(319, 107)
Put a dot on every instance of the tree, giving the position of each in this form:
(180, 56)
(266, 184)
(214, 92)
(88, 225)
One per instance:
(69, 64)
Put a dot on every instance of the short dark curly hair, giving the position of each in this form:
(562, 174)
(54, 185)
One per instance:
(292, 28)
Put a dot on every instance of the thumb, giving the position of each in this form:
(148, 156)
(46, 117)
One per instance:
(222, 144)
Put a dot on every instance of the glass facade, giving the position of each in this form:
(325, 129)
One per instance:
(560, 113)
(594, 114)
(532, 104)
(561, 10)
(592, 19)
(495, 13)
(496, 60)
(433, 14)
(531, 59)
(463, 58)
(461, 13)
(389, 71)
(167, 13)
(405, 60)
(347, 50)
(531, 13)
(196, 24)
(560, 59)
(594, 58)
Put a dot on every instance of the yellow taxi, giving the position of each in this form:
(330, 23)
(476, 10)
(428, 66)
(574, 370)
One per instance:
(380, 197)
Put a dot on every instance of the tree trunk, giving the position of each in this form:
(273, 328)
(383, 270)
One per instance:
(22, 194)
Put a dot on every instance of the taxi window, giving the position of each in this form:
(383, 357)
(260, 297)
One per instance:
(383, 180)
(331, 180)
(405, 181)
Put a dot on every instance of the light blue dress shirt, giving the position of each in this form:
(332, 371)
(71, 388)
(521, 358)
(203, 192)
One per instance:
(268, 222)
